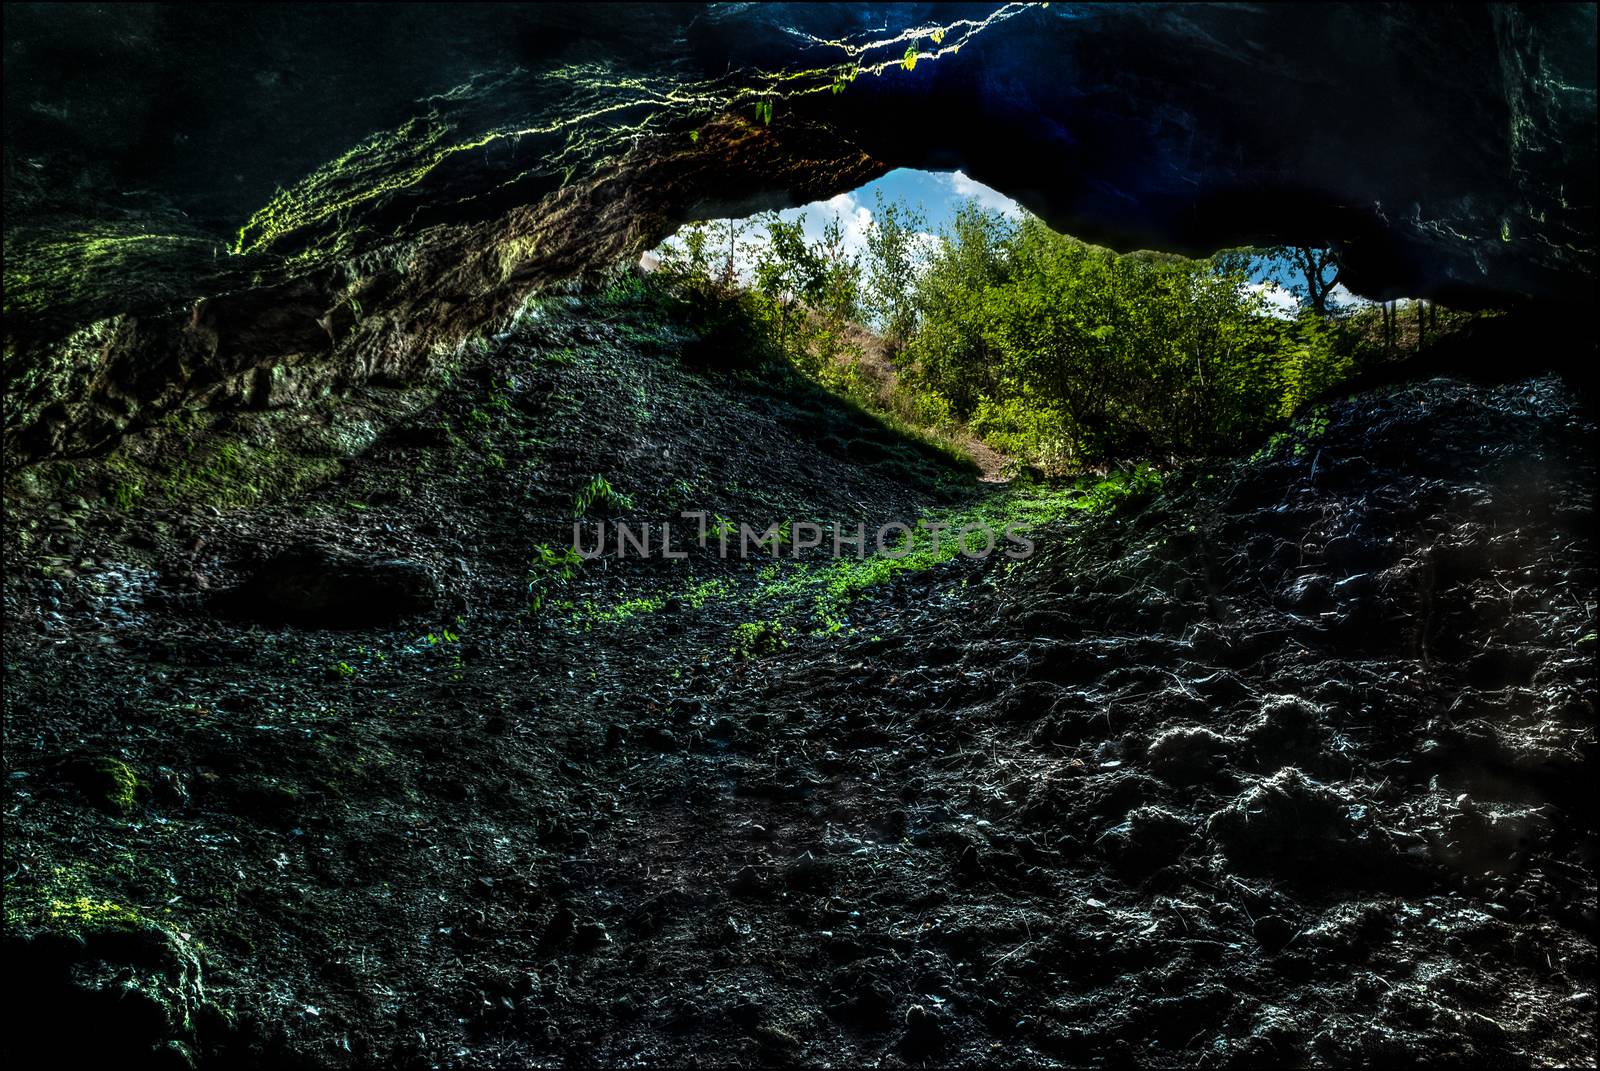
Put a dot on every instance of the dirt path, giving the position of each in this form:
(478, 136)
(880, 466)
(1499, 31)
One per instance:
(994, 466)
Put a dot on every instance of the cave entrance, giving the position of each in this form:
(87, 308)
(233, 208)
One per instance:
(945, 305)
(931, 200)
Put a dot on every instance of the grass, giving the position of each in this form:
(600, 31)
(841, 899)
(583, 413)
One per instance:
(828, 589)
(816, 595)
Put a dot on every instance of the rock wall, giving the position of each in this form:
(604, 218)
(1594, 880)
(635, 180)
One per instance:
(209, 208)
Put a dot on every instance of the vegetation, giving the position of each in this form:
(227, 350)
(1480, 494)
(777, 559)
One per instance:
(1070, 355)
(599, 496)
(1057, 353)
(752, 639)
(818, 595)
(550, 572)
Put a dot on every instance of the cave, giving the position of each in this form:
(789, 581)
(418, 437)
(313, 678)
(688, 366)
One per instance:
(525, 545)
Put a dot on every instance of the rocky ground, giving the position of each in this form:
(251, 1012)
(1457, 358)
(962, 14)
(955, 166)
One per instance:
(1280, 765)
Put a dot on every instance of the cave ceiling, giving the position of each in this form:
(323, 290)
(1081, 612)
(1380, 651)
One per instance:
(194, 193)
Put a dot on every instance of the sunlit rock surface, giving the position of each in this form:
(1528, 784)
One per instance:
(196, 197)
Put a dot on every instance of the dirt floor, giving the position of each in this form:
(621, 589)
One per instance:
(1280, 765)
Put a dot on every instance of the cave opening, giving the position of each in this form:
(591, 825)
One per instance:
(923, 295)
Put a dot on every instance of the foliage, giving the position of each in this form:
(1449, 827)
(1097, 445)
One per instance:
(1059, 354)
(756, 638)
(893, 263)
(599, 495)
(1071, 355)
(698, 285)
(550, 572)
(800, 305)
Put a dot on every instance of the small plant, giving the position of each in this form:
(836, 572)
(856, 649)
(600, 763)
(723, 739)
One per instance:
(756, 638)
(1121, 489)
(1300, 434)
(550, 572)
(642, 604)
(599, 494)
(343, 670)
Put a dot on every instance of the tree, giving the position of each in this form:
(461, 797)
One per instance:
(953, 350)
(784, 270)
(894, 259)
(833, 301)
(1314, 265)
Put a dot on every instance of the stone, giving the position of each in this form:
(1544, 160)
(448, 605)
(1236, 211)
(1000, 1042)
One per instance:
(1301, 830)
(1187, 754)
(1148, 839)
(1273, 932)
(313, 587)
(106, 988)
(1129, 128)
(923, 1033)
(109, 783)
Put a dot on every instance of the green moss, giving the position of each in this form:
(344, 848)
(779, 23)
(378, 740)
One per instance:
(89, 914)
(70, 266)
(109, 783)
(125, 494)
(597, 115)
(227, 473)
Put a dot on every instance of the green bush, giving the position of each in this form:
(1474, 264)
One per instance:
(1067, 354)
(1060, 354)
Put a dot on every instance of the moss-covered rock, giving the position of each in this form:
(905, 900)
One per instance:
(108, 783)
(105, 987)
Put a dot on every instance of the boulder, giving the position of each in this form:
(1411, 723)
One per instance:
(312, 587)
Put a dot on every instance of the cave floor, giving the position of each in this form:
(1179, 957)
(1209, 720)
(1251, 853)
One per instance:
(1283, 765)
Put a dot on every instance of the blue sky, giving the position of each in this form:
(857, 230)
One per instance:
(936, 193)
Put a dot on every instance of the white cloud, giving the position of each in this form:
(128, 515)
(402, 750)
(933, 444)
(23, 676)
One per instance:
(1340, 297)
(1277, 300)
(855, 220)
(962, 186)
(1281, 302)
